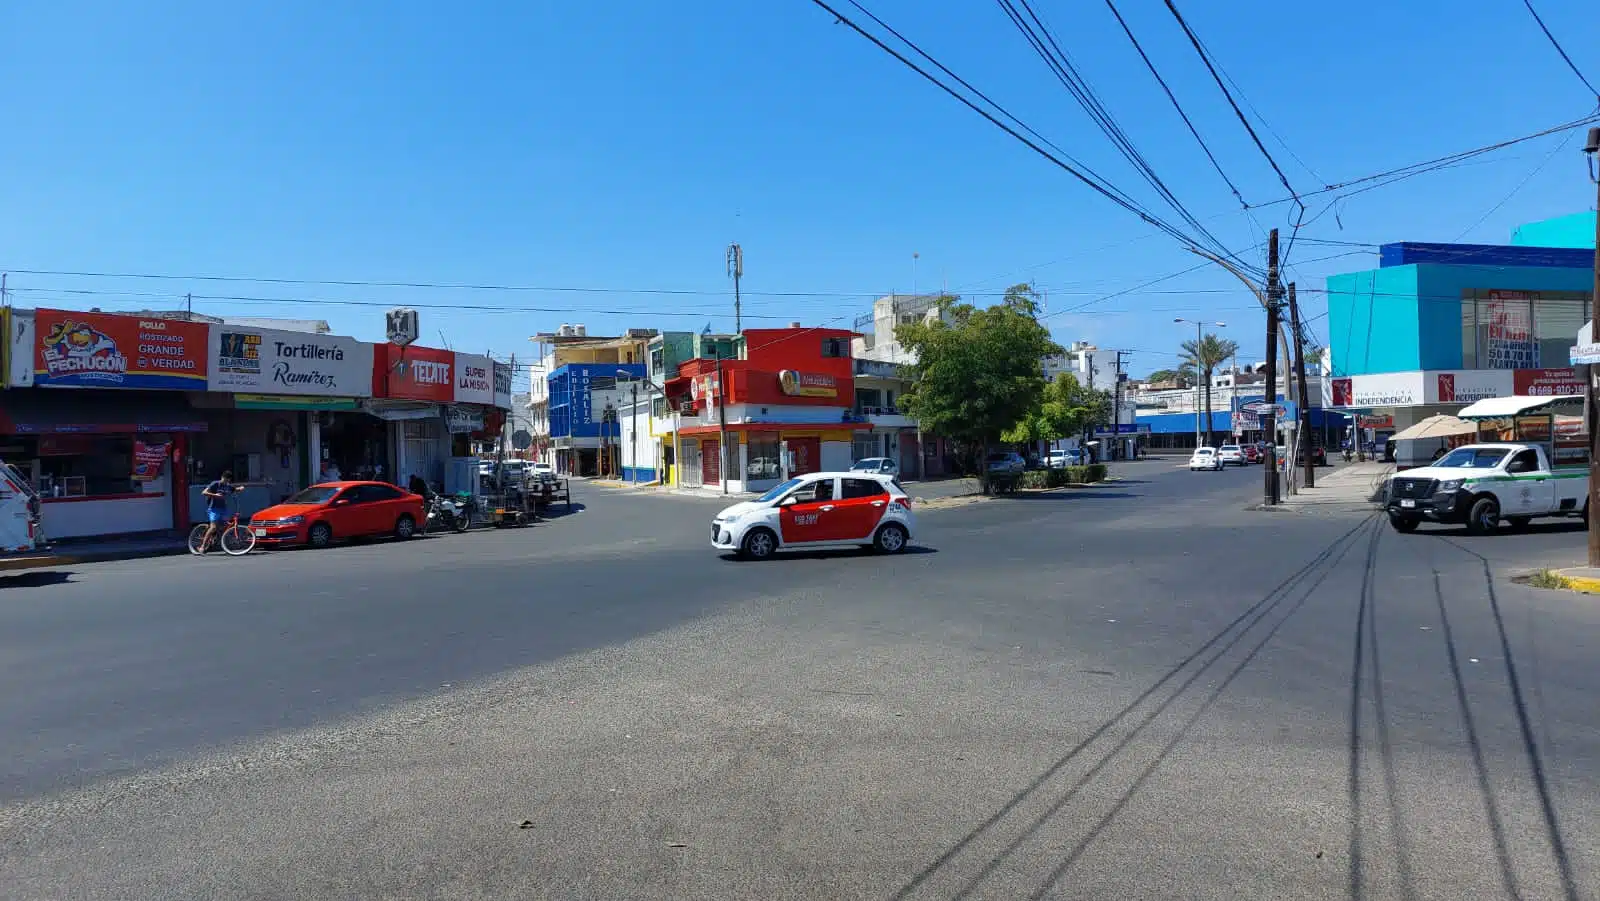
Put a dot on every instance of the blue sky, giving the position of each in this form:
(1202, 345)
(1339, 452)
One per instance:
(619, 147)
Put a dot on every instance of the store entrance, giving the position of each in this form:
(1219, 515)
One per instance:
(356, 446)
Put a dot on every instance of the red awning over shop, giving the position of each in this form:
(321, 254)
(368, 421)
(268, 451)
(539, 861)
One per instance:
(45, 411)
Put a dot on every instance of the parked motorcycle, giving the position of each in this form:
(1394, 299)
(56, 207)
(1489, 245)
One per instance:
(446, 514)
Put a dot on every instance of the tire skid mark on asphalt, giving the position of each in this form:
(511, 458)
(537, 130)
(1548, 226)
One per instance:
(1308, 577)
(1534, 755)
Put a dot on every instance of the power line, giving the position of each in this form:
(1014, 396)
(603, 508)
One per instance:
(1561, 50)
(1045, 46)
(1228, 95)
(1086, 176)
(1175, 104)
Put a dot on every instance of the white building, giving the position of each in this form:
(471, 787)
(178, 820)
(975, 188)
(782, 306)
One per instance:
(882, 428)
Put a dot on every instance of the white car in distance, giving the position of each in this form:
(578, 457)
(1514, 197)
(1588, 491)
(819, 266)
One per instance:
(1205, 458)
(1231, 453)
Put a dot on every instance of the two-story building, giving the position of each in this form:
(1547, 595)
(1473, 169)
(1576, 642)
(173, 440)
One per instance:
(785, 406)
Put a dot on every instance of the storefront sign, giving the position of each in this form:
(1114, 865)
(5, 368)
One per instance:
(807, 384)
(1389, 389)
(416, 373)
(1584, 354)
(1547, 382)
(255, 360)
(291, 402)
(502, 385)
(474, 380)
(1465, 386)
(100, 350)
(148, 460)
(1244, 421)
(1510, 343)
(463, 419)
(1375, 422)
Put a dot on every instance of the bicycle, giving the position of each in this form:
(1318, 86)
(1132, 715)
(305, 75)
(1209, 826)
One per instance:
(235, 537)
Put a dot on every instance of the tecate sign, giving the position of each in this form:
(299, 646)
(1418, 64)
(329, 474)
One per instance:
(270, 361)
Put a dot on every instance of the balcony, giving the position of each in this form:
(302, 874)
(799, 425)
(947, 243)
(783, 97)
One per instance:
(876, 369)
(882, 417)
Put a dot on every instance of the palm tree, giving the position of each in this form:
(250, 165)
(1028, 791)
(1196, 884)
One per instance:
(1203, 357)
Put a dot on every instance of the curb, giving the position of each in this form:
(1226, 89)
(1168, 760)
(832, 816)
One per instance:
(54, 560)
(1585, 584)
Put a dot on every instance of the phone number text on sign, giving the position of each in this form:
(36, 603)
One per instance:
(1546, 382)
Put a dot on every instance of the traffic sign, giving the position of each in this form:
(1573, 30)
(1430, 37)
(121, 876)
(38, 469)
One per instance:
(1261, 407)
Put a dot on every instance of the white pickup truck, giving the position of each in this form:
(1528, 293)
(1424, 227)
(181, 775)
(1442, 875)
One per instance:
(1483, 484)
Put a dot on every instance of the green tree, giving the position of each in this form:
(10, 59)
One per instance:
(1203, 358)
(1066, 408)
(977, 372)
(1165, 375)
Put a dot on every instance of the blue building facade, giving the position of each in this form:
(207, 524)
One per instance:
(1437, 326)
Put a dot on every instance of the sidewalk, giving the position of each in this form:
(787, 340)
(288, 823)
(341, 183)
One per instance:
(73, 552)
(1352, 488)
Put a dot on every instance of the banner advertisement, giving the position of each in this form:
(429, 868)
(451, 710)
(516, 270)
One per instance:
(1465, 386)
(148, 460)
(1389, 389)
(1246, 422)
(1547, 382)
(263, 361)
(1510, 343)
(103, 350)
(502, 385)
(807, 384)
(474, 380)
(415, 373)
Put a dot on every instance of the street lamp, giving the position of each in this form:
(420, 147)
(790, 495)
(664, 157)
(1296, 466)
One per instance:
(1198, 325)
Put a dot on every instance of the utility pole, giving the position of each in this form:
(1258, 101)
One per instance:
(722, 427)
(1269, 417)
(1116, 407)
(1592, 148)
(735, 261)
(1300, 375)
(188, 306)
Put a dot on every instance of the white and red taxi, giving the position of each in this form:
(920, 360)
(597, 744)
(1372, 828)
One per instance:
(819, 510)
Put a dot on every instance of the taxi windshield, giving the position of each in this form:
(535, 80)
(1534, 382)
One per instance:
(777, 492)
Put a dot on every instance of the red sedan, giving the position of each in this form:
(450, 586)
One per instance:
(338, 510)
(1252, 454)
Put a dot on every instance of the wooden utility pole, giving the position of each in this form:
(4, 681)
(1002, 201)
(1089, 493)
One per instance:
(1592, 421)
(1269, 417)
(1304, 431)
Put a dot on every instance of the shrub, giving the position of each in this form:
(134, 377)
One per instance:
(1096, 472)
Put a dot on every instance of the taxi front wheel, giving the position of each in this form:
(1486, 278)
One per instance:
(758, 544)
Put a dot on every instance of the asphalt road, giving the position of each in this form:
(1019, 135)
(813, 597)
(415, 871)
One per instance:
(1136, 690)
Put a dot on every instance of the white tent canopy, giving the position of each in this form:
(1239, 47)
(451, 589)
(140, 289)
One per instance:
(1508, 407)
(1437, 426)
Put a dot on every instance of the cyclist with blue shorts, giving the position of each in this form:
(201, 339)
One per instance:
(216, 495)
